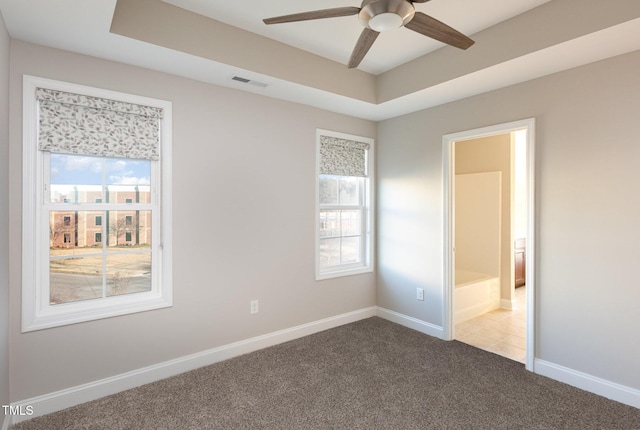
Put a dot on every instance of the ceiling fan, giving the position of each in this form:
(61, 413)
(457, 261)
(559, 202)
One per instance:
(380, 15)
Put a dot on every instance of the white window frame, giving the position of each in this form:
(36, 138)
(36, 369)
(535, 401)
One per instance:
(37, 312)
(367, 225)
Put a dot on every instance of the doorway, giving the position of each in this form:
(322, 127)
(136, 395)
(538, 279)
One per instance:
(496, 266)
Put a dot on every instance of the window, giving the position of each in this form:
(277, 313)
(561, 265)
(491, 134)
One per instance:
(86, 169)
(344, 241)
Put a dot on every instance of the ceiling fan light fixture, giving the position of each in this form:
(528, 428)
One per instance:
(383, 15)
(385, 21)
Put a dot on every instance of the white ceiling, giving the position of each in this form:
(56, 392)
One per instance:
(83, 26)
(335, 38)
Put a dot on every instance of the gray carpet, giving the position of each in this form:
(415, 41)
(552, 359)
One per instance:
(371, 374)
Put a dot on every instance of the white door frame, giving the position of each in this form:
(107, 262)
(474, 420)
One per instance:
(448, 172)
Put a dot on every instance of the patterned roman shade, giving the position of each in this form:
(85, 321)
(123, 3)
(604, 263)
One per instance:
(79, 124)
(343, 157)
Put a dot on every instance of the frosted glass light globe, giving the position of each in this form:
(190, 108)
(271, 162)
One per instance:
(385, 21)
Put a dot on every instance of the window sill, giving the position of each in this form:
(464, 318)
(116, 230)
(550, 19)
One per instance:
(88, 311)
(338, 273)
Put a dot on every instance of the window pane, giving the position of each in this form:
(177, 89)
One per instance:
(74, 229)
(329, 252)
(128, 273)
(329, 223)
(328, 190)
(129, 228)
(350, 248)
(128, 181)
(75, 178)
(80, 179)
(341, 190)
(349, 190)
(128, 194)
(62, 229)
(350, 221)
(75, 279)
(122, 171)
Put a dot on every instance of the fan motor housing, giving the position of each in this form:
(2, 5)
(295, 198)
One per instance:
(371, 8)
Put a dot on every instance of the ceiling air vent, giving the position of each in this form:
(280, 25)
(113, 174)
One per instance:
(249, 81)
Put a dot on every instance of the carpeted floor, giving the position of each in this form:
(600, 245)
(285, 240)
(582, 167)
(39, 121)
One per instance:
(371, 374)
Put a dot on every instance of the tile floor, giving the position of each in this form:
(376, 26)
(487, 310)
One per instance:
(501, 331)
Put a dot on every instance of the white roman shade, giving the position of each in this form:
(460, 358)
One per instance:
(343, 157)
(78, 124)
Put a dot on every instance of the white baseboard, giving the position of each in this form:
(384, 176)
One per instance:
(413, 323)
(72, 396)
(471, 312)
(508, 304)
(602, 387)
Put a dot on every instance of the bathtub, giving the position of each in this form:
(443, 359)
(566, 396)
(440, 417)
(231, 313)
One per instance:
(475, 294)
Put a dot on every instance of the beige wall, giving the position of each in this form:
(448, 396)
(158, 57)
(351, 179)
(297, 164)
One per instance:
(493, 154)
(243, 227)
(478, 203)
(4, 216)
(588, 207)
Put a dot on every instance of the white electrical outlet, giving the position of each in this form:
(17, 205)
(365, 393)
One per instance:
(419, 293)
(253, 307)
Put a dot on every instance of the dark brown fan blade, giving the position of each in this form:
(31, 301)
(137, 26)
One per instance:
(316, 14)
(431, 27)
(366, 39)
